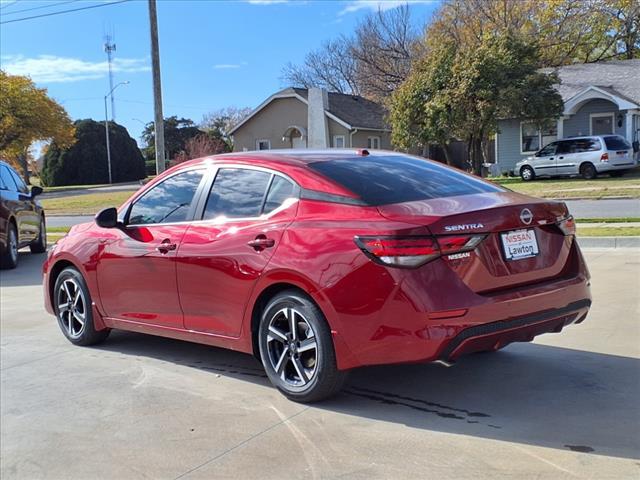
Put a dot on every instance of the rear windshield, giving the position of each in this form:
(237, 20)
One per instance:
(380, 180)
(616, 143)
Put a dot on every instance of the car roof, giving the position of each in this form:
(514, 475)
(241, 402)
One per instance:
(293, 163)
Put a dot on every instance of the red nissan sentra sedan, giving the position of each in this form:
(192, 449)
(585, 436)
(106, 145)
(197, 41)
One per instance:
(318, 262)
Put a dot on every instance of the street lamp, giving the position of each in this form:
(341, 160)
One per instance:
(106, 125)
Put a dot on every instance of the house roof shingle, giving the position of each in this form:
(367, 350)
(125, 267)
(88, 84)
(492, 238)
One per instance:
(619, 77)
(355, 110)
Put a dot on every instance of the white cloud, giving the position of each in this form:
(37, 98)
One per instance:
(229, 66)
(54, 69)
(266, 2)
(375, 5)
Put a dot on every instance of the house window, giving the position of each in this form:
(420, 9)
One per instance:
(533, 139)
(601, 123)
(263, 145)
(338, 141)
(373, 142)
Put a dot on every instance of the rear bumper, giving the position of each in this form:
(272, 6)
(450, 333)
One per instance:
(495, 335)
(611, 167)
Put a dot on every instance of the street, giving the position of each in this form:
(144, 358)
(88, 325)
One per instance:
(565, 406)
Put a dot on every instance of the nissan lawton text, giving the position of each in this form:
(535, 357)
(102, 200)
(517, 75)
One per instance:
(318, 262)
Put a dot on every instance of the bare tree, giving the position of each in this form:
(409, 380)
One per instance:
(332, 66)
(372, 63)
(201, 146)
(383, 49)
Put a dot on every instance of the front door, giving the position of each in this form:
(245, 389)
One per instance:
(602, 124)
(136, 266)
(221, 257)
(544, 162)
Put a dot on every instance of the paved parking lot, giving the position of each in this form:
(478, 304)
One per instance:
(566, 406)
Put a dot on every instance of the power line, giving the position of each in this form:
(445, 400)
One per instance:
(63, 11)
(40, 7)
(2, 7)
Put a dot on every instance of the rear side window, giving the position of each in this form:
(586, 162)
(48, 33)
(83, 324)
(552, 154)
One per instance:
(616, 143)
(167, 202)
(280, 190)
(581, 145)
(380, 180)
(237, 193)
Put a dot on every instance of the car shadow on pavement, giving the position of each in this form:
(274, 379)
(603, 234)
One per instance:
(28, 272)
(528, 393)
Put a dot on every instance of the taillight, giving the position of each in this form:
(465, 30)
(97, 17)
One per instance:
(414, 251)
(604, 157)
(567, 225)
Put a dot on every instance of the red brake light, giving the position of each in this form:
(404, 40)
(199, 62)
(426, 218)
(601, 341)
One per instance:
(458, 243)
(414, 251)
(568, 225)
(604, 157)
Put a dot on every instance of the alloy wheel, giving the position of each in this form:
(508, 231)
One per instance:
(13, 245)
(292, 347)
(72, 307)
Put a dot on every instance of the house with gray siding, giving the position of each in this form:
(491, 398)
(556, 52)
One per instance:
(599, 99)
(313, 118)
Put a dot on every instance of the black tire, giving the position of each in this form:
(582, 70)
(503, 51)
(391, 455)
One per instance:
(617, 173)
(39, 245)
(588, 171)
(9, 255)
(68, 283)
(527, 173)
(322, 378)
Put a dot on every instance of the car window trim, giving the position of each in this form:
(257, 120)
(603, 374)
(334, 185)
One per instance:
(194, 200)
(199, 214)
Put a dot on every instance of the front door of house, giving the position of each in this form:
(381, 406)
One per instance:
(602, 124)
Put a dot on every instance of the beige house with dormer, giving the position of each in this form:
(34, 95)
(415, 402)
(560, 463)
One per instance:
(313, 118)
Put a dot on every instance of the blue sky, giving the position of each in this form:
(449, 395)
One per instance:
(213, 54)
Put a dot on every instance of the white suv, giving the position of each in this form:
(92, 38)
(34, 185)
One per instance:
(585, 156)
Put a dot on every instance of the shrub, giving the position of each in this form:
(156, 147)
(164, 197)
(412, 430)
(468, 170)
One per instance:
(85, 162)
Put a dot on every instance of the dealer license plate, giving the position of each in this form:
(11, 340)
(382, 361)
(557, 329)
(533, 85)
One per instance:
(519, 244)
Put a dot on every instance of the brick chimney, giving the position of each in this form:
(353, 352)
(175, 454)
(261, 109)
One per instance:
(317, 123)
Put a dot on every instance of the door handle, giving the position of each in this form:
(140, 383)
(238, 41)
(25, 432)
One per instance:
(560, 158)
(166, 246)
(261, 242)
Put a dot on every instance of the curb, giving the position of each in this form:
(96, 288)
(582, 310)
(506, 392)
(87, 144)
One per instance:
(609, 242)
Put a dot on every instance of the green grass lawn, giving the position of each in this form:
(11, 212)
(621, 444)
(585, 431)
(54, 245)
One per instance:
(88, 204)
(608, 231)
(567, 188)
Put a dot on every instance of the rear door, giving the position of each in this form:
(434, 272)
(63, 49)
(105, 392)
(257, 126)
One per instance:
(222, 255)
(22, 205)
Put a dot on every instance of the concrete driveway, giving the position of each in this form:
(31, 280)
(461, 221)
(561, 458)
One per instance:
(566, 406)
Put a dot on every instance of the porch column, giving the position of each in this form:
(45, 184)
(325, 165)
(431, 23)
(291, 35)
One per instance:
(629, 125)
(560, 127)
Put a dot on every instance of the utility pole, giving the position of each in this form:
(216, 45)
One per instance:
(157, 88)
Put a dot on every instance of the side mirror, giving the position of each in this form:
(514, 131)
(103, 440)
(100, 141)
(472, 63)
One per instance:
(35, 191)
(107, 218)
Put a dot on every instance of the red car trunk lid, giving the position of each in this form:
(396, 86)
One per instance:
(487, 268)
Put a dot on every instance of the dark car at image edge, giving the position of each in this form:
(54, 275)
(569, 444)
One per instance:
(318, 262)
(22, 219)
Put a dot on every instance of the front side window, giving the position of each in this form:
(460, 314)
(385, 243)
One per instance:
(237, 193)
(22, 187)
(373, 142)
(548, 150)
(7, 180)
(263, 145)
(168, 201)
